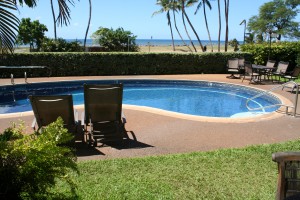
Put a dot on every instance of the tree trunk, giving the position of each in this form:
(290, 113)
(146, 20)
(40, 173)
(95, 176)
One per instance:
(226, 19)
(204, 11)
(219, 36)
(179, 32)
(170, 24)
(183, 14)
(54, 20)
(89, 22)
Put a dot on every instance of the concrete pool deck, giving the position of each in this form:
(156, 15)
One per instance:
(160, 132)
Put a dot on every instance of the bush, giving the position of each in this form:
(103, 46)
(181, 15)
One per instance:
(60, 45)
(93, 64)
(31, 164)
(280, 51)
(298, 60)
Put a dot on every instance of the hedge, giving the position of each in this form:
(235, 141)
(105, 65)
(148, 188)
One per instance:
(94, 64)
(279, 51)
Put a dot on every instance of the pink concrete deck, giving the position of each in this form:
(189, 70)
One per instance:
(160, 133)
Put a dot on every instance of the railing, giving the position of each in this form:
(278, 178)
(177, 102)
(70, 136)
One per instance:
(294, 107)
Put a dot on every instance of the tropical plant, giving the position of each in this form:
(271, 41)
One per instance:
(165, 7)
(175, 6)
(277, 16)
(183, 16)
(205, 3)
(234, 43)
(115, 40)
(8, 26)
(30, 164)
(31, 33)
(60, 45)
(64, 16)
(89, 22)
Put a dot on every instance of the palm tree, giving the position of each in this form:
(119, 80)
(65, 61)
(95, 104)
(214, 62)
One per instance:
(165, 7)
(203, 3)
(175, 7)
(64, 16)
(183, 15)
(9, 24)
(226, 20)
(89, 22)
(219, 36)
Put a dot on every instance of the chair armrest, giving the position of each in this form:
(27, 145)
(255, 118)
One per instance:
(123, 117)
(33, 123)
(285, 156)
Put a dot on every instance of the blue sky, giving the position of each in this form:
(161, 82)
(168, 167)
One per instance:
(136, 16)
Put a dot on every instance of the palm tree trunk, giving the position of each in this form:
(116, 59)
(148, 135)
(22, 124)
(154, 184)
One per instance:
(54, 20)
(89, 22)
(204, 12)
(219, 36)
(170, 24)
(187, 32)
(226, 19)
(179, 32)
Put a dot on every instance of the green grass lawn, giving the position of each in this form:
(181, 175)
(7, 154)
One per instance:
(246, 173)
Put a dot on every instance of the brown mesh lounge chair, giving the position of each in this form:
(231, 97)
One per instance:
(233, 67)
(47, 109)
(103, 120)
(288, 186)
(254, 77)
(293, 75)
(281, 70)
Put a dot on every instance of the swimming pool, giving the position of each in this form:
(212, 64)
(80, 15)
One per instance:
(200, 98)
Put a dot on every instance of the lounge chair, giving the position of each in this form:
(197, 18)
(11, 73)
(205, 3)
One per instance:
(281, 70)
(254, 77)
(47, 109)
(288, 186)
(293, 75)
(233, 67)
(103, 119)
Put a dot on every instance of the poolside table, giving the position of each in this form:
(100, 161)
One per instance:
(261, 69)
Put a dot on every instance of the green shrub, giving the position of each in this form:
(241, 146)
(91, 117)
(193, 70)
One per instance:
(60, 45)
(124, 63)
(298, 60)
(31, 164)
(280, 51)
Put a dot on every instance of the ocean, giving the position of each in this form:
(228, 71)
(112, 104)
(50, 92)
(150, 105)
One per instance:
(154, 42)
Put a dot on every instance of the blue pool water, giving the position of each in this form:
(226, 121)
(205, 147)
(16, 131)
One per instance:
(200, 98)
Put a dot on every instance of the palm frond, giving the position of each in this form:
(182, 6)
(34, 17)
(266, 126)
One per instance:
(29, 3)
(9, 24)
(64, 12)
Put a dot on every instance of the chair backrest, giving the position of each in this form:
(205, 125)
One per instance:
(233, 63)
(103, 102)
(271, 63)
(248, 68)
(282, 67)
(241, 62)
(47, 109)
(288, 175)
(296, 72)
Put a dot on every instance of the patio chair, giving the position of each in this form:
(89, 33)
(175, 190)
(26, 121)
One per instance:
(281, 70)
(293, 75)
(269, 72)
(288, 186)
(233, 67)
(103, 119)
(47, 109)
(254, 77)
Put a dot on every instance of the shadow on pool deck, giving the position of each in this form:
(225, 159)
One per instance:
(161, 134)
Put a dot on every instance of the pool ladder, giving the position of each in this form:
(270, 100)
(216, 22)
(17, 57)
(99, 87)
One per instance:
(282, 86)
